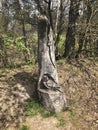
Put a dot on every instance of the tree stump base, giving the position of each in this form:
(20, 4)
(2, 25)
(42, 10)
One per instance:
(54, 101)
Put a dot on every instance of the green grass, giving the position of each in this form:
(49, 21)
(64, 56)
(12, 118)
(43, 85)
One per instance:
(73, 117)
(71, 113)
(60, 62)
(60, 117)
(34, 107)
(24, 127)
(61, 44)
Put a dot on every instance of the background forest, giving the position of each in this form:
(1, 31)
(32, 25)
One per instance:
(75, 28)
(75, 34)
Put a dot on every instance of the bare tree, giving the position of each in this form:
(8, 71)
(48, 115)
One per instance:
(71, 31)
(4, 22)
(50, 93)
(62, 22)
(87, 29)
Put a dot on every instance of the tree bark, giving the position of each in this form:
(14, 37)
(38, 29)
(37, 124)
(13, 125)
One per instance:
(70, 36)
(59, 29)
(50, 94)
(4, 56)
(26, 54)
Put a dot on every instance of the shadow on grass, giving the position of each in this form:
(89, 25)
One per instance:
(20, 99)
(28, 81)
(33, 106)
(15, 92)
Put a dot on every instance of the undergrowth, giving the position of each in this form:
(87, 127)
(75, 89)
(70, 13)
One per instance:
(34, 108)
(24, 127)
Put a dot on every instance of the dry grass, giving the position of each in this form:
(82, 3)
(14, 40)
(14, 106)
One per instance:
(79, 81)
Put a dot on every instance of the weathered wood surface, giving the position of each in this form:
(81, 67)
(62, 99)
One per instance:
(49, 91)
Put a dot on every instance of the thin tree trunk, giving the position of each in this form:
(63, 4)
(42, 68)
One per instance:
(83, 34)
(59, 30)
(57, 16)
(81, 39)
(70, 36)
(4, 53)
(26, 55)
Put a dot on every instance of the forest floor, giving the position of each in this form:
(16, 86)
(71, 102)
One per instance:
(79, 81)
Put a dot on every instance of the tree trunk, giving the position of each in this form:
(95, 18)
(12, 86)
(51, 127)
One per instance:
(70, 36)
(84, 33)
(81, 39)
(50, 94)
(26, 54)
(59, 30)
(4, 53)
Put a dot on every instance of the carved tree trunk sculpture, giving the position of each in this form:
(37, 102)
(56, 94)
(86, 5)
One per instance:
(50, 94)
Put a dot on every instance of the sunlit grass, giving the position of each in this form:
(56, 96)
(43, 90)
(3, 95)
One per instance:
(34, 107)
(24, 127)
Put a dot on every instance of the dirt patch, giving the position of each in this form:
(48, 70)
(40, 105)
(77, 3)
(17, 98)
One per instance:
(79, 81)
(16, 86)
(81, 89)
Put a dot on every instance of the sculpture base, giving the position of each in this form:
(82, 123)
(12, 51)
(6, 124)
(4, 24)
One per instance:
(54, 101)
